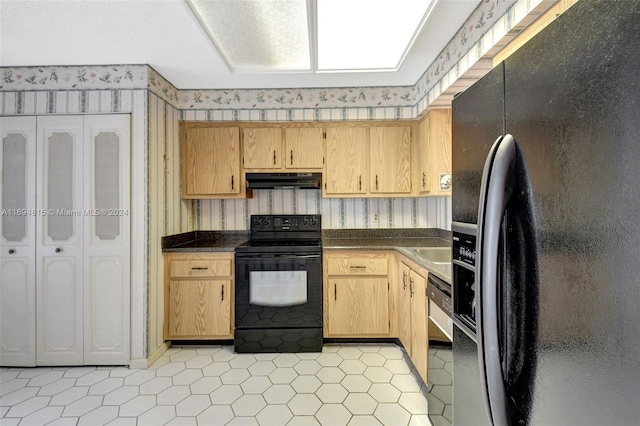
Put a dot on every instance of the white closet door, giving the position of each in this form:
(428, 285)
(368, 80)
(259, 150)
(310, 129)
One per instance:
(59, 251)
(106, 247)
(17, 241)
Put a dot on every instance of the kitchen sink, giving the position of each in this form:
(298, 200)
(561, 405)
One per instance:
(434, 254)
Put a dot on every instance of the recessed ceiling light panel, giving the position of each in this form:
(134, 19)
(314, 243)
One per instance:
(252, 35)
(312, 35)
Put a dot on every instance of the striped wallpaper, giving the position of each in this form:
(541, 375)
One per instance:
(167, 213)
(337, 213)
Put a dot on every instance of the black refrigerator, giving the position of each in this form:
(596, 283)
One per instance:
(546, 228)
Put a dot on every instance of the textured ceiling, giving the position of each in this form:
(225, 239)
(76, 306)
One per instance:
(165, 35)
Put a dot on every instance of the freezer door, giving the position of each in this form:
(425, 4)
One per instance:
(478, 119)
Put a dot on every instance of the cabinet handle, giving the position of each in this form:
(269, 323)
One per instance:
(335, 292)
(424, 180)
(11, 251)
(357, 267)
(360, 183)
(411, 286)
(404, 280)
(292, 157)
(222, 292)
(376, 182)
(58, 250)
(274, 157)
(199, 268)
(232, 183)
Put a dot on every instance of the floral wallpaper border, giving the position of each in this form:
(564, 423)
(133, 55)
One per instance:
(74, 77)
(493, 17)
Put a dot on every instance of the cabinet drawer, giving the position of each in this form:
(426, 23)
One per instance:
(357, 266)
(201, 268)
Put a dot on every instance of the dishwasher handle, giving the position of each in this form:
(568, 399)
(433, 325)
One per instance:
(439, 284)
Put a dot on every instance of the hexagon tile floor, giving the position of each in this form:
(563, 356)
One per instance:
(344, 385)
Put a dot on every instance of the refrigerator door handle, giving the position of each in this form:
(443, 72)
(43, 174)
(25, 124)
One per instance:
(493, 199)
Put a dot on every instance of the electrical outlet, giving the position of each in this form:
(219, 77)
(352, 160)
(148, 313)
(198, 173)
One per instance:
(190, 220)
(375, 218)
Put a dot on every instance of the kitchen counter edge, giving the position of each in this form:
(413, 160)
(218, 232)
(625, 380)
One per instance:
(400, 240)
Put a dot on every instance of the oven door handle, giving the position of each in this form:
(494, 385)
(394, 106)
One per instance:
(296, 256)
(277, 256)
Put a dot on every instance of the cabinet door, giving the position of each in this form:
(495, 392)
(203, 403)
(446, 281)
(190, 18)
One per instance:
(346, 165)
(59, 255)
(106, 240)
(358, 306)
(390, 151)
(200, 308)
(434, 148)
(17, 241)
(419, 323)
(211, 161)
(404, 307)
(422, 141)
(304, 148)
(262, 148)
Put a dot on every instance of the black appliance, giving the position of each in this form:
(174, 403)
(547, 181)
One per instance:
(299, 180)
(546, 306)
(278, 282)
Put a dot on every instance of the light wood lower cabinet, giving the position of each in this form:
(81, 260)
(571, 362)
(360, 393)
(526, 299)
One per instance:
(358, 299)
(198, 296)
(413, 330)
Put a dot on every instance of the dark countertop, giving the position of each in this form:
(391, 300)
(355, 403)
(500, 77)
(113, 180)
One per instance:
(204, 241)
(401, 240)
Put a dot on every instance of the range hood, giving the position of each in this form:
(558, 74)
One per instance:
(284, 180)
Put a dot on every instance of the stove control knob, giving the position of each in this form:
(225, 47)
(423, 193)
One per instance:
(267, 222)
(305, 221)
(314, 221)
(257, 221)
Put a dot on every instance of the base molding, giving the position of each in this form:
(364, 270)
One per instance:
(140, 363)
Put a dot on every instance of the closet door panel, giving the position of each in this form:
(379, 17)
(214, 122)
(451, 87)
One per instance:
(17, 241)
(59, 286)
(106, 246)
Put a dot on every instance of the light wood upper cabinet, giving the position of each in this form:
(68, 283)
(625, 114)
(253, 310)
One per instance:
(198, 296)
(358, 299)
(303, 148)
(390, 159)
(345, 170)
(211, 162)
(262, 148)
(434, 153)
(357, 159)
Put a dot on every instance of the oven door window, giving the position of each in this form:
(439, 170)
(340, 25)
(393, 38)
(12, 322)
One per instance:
(278, 288)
